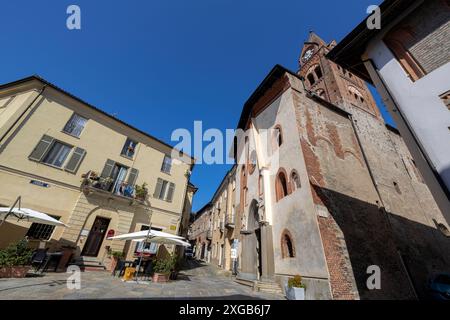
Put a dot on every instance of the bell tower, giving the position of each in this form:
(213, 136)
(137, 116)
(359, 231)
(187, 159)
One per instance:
(330, 81)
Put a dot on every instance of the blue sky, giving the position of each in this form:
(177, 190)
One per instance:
(162, 64)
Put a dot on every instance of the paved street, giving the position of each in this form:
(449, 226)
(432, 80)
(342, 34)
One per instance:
(198, 281)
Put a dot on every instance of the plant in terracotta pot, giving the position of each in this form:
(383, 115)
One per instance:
(15, 260)
(141, 192)
(295, 289)
(115, 256)
(162, 269)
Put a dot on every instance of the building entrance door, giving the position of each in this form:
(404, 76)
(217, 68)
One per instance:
(95, 238)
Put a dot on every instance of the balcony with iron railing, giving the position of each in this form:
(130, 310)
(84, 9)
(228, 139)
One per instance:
(93, 183)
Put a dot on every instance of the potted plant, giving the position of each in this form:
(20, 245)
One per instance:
(176, 265)
(15, 260)
(115, 258)
(295, 289)
(141, 192)
(162, 269)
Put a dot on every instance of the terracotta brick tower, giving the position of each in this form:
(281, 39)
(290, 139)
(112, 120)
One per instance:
(332, 82)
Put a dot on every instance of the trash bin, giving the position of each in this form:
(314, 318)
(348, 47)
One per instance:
(129, 273)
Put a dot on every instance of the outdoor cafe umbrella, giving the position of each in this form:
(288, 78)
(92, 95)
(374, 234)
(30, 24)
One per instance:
(162, 240)
(28, 215)
(151, 236)
(146, 234)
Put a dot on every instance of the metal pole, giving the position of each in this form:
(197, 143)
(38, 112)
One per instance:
(145, 241)
(18, 200)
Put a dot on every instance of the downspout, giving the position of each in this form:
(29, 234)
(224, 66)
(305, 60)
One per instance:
(21, 116)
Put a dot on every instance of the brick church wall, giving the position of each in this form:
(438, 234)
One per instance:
(356, 233)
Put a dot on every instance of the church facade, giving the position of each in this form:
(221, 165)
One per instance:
(332, 192)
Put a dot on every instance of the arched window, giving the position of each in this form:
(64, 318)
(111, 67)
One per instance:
(311, 79)
(295, 181)
(321, 93)
(356, 94)
(287, 245)
(252, 162)
(281, 185)
(261, 185)
(277, 137)
(318, 72)
(243, 185)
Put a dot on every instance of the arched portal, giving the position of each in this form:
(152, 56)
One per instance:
(251, 264)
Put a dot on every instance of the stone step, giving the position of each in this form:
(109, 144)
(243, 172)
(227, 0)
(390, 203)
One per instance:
(270, 287)
(88, 264)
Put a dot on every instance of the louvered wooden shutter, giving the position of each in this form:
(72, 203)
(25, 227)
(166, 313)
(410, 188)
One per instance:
(75, 161)
(170, 192)
(107, 170)
(158, 188)
(41, 149)
(133, 176)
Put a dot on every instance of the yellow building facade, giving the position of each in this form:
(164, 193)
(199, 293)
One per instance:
(98, 175)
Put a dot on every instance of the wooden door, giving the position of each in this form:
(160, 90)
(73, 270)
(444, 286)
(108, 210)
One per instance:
(96, 236)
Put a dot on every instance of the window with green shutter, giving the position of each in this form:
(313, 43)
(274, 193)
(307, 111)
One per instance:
(170, 192)
(77, 157)
(41, 148)
(108, 168)
(164, 190)
(132, 177)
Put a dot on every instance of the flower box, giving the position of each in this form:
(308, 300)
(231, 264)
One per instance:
(14, 272)
(160, 277)
(295, 293)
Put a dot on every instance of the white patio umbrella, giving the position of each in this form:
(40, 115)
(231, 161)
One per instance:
(28, 215)
(161, 240)
(151, 236)
(145, 234)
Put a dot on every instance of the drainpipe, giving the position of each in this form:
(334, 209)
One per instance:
(21, 116)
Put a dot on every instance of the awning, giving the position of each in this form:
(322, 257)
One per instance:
(28, 215)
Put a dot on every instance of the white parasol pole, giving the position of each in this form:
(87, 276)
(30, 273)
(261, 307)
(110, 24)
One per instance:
(18, 200)
(145, 241)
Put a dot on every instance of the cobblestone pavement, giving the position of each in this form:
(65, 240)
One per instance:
(198, 281)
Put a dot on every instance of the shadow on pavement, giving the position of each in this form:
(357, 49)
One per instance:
(50, 284)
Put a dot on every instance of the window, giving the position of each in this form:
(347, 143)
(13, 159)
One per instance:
(39, 231)
(281, 186)
(57, 154)
(252, 162)
(446, 99)
(149, 247)
(321, 93)
(164, 190)
(397, 187)
(287, 246)
(295, 181)
(318, 72)
(54, 153)
(75, 125)
(277, 137)
(261, 185)
(129, 148)
(311, 79)
(167, 164)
